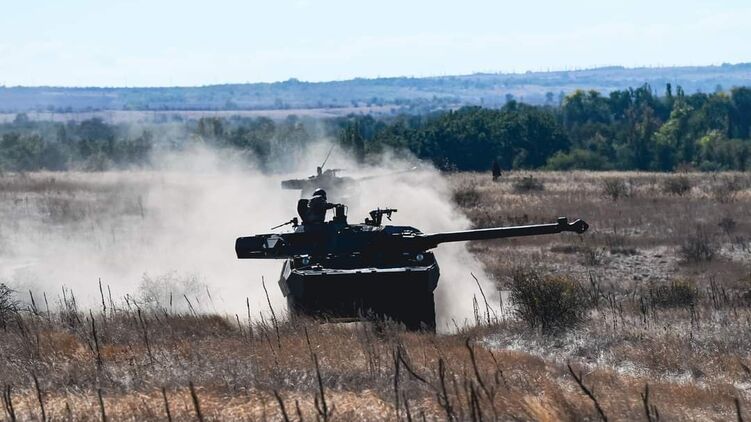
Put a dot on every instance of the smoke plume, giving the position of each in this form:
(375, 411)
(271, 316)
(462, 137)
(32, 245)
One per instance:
(165, 236)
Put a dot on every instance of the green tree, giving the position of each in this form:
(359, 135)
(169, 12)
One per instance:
(741, 116)
(672, 141)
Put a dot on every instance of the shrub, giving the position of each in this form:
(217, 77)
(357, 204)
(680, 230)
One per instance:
(699, 247)
(679, 293)
(168, 291)
(548, 302)
(728, 225)
(726, 189)
(677, 185)
(617, 244)
(578, 159)
(528, 184)
(616, 188)
(8, 305)
(467, 196)
(592, 256)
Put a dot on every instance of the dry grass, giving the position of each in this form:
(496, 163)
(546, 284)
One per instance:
(238, 369)
(363, 373)
(656, 318)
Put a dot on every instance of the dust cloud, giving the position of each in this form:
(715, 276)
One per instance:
(164, 237)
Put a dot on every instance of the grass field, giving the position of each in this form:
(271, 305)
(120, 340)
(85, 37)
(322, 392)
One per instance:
(645, 317)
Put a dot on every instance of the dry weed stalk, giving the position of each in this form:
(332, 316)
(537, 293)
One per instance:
(588, 392)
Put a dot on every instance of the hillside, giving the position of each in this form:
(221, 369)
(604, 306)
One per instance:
(406, 93)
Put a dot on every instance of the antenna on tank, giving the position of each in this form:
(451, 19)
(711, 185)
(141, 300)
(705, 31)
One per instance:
(327, 156)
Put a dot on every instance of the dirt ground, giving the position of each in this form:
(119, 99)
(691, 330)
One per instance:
(666, 268)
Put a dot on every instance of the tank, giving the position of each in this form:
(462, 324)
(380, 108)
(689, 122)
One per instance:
(338, 271)
(328, 180)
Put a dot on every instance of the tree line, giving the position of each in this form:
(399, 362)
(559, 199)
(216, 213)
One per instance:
(633, 129)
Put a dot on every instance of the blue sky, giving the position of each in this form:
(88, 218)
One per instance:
(158, 43)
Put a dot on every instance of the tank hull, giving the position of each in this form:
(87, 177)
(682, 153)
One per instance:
(403, 294)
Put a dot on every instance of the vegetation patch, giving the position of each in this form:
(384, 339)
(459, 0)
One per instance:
(8, 305)
(593, 256)
(677, 294)
(726, 188)
(568, 249)
(467, 196)
(728, 225)
(616, 188)
(528, 184)
(548, 302)
(699, 247)
(677, 185)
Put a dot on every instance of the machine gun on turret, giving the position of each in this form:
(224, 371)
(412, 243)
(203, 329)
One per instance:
(376, 216)
(294, 222)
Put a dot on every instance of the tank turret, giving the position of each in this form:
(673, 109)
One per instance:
(336, 270)
(335, 237)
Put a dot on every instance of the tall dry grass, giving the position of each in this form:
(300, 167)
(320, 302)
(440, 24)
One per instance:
(661, 334)
(142, 363)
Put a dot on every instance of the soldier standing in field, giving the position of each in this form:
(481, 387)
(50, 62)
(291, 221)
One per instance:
(496, 170)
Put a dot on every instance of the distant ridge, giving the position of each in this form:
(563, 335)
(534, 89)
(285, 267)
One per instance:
(403, 93)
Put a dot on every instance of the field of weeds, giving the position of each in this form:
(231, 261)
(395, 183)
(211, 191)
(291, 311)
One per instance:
(645, 317)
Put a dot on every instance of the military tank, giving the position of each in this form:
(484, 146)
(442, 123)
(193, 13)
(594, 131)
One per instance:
(325, 179)
(331, 181)
(328, 179)
(345, 272)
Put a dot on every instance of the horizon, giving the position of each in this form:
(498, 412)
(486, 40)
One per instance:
(355, 78)
(83, 43)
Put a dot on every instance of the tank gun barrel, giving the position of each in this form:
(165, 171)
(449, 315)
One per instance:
(334, 239)
(393, 173)
(562, 225)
